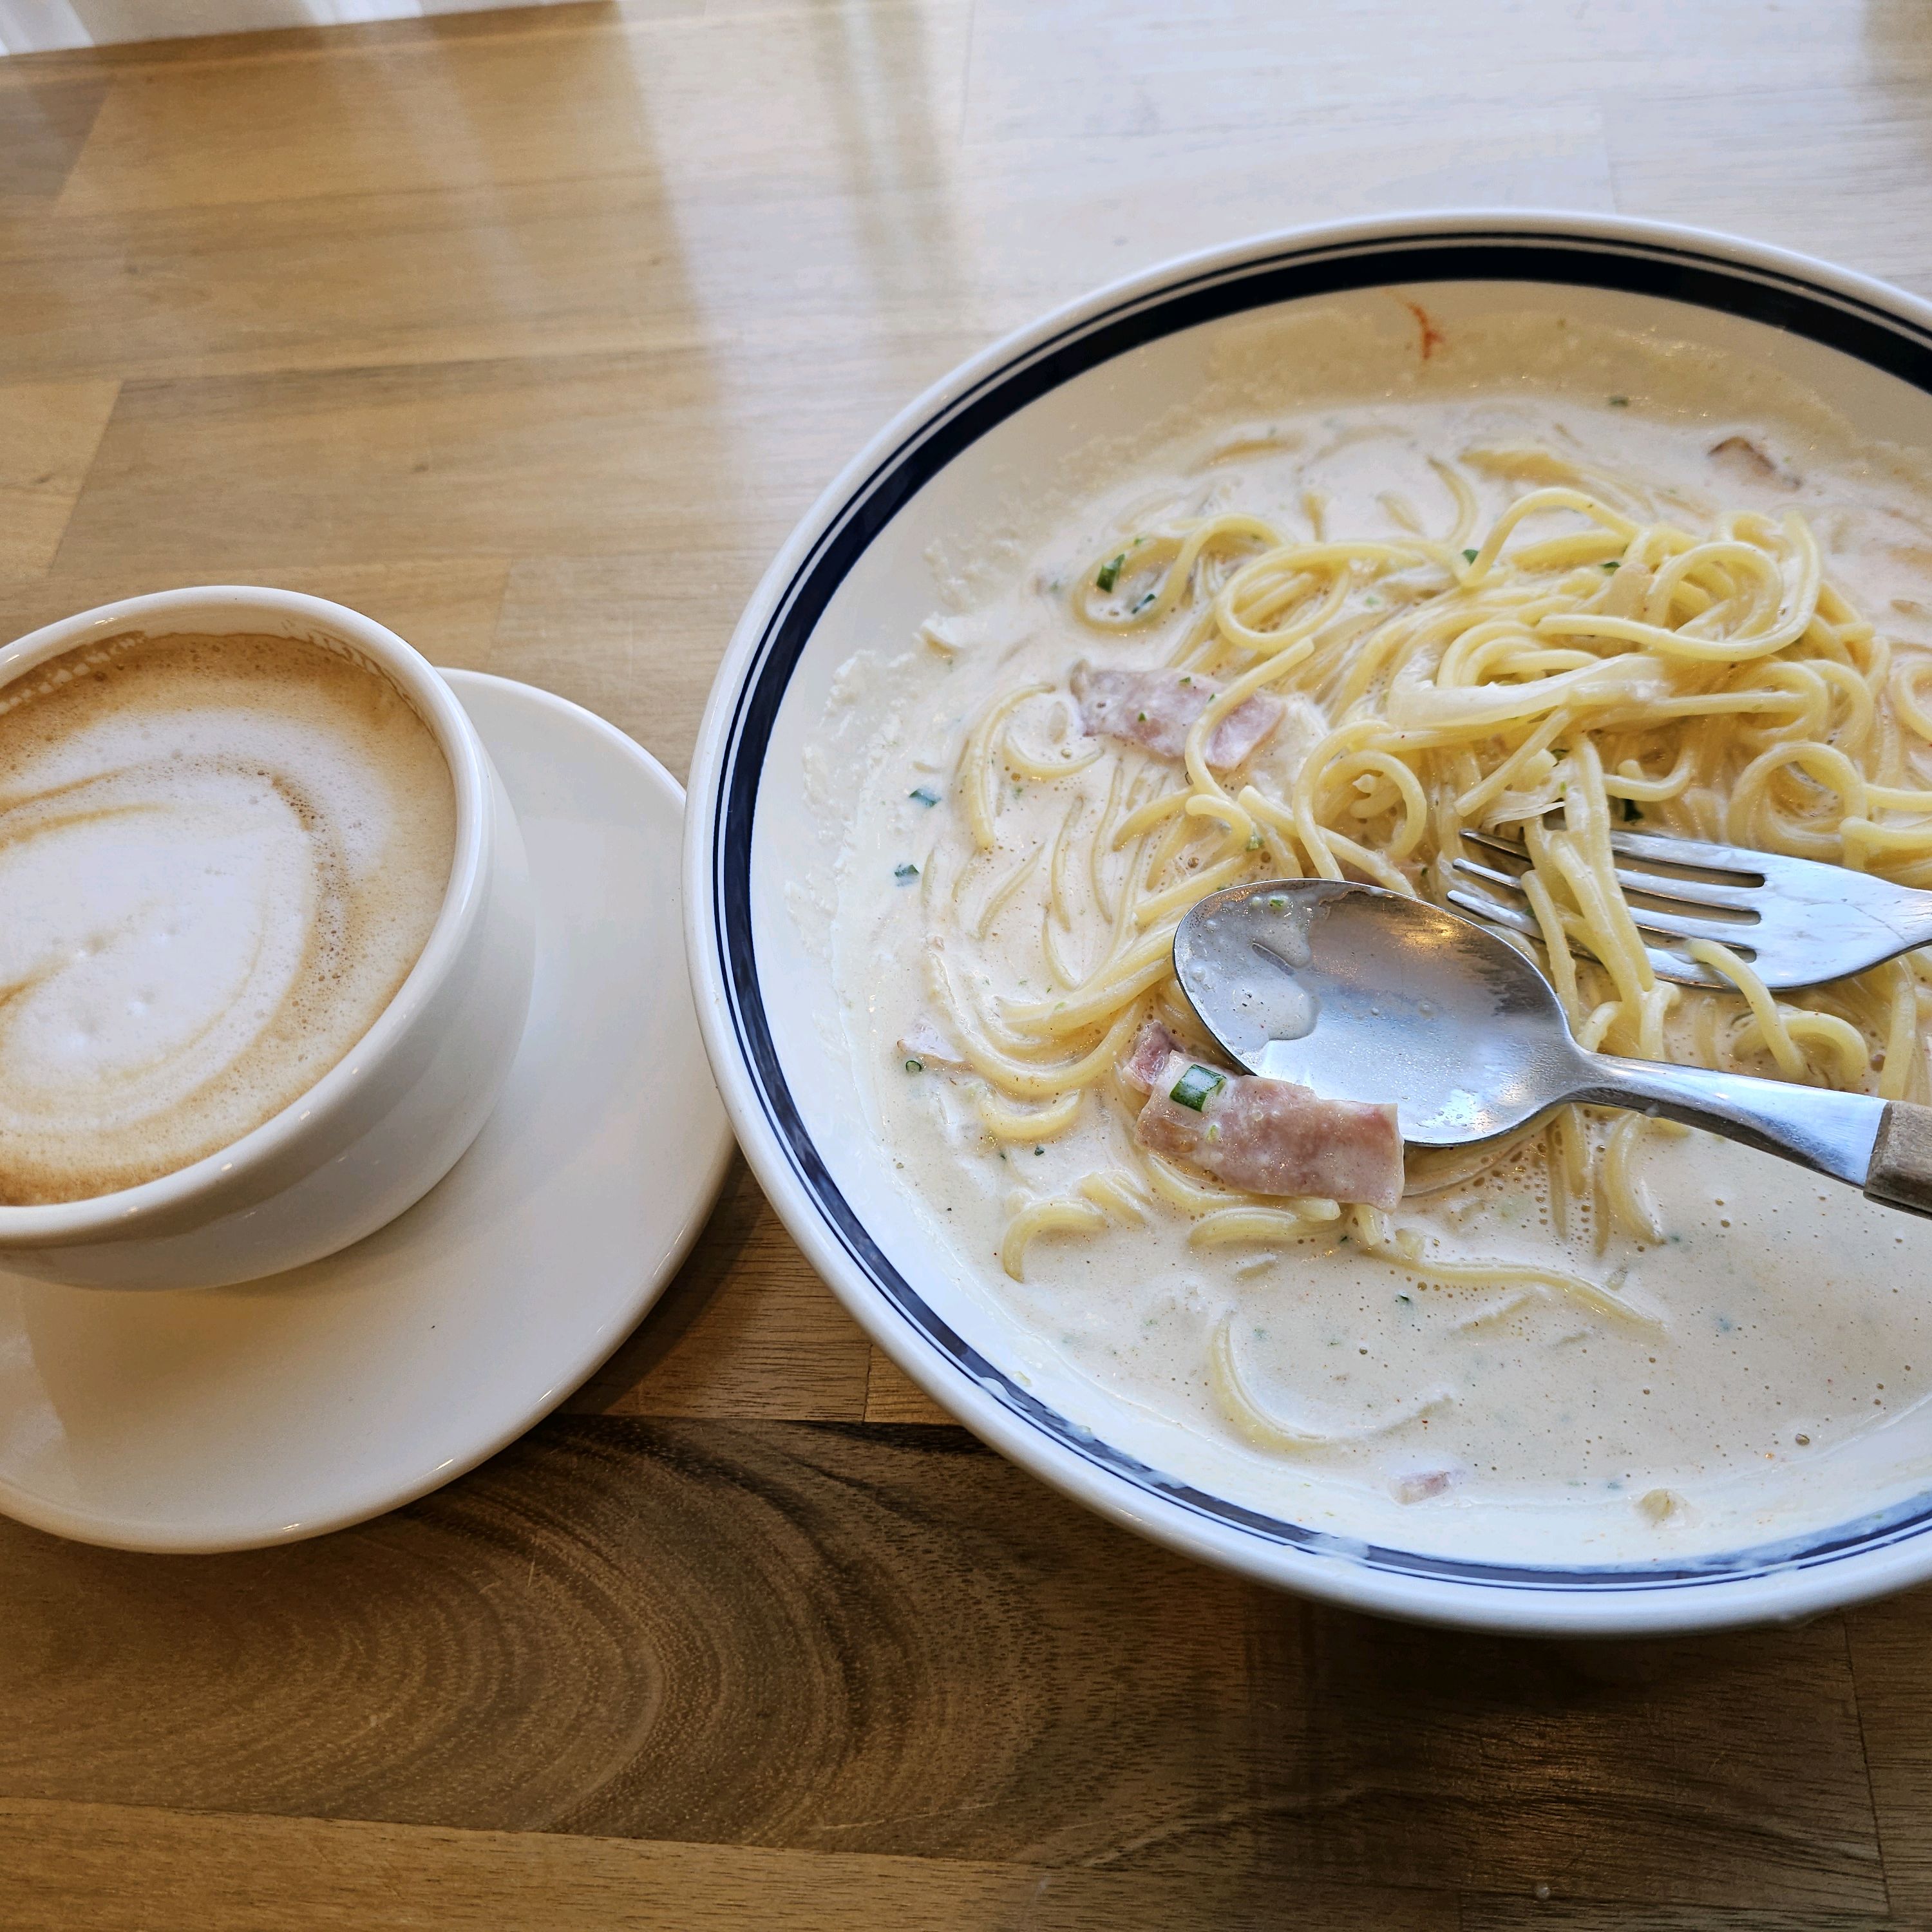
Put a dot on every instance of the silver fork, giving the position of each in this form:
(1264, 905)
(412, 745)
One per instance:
(1799, 922)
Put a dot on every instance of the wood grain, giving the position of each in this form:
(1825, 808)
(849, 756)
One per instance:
(887, 1640)
(1538, 1914)
(1890, 1648)
(125, 1870)
(632, 637)
(893, 1396)
(42, 128)
(49, 432)
(531, 334)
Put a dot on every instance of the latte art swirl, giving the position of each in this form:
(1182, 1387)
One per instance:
(219, 859)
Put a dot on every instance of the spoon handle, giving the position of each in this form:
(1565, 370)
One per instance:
(1884, 1147)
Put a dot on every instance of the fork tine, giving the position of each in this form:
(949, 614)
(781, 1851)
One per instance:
(1660, 885)
(1694, 892)
(1672, 966)
(1495, 913)
(1669, 851)
(1490, 839)
(1687, 852)
(1724, 930)
(1506, 879)
(1770, 895)
(1733, 933)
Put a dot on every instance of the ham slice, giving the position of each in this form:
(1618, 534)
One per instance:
(1271, 1136)
(1421, 1484)
(1152, 1046)
(1155, 709)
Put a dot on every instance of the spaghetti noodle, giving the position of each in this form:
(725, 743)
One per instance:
(1570, 667)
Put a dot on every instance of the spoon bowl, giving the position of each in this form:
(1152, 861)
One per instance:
(1364, 995)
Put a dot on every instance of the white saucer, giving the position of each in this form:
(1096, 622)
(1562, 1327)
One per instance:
(234, 1417)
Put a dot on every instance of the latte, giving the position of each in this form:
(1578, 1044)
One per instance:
(220, 857)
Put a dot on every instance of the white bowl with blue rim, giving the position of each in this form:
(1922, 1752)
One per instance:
(857, 570)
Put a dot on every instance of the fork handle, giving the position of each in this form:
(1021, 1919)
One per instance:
(1884, 1147)
(1901, 1163)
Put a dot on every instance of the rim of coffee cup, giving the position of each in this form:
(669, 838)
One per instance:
(210, 608)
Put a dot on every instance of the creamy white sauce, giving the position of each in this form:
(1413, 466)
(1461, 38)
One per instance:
(1788, 1319)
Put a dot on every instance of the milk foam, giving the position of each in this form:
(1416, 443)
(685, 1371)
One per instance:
(219, 859)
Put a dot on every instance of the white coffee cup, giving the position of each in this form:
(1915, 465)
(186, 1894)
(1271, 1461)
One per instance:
(378, 1130)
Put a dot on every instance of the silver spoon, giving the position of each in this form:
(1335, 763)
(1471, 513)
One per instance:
(1364, 995)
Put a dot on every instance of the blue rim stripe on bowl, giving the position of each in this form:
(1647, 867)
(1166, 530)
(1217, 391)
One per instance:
(1860, 329)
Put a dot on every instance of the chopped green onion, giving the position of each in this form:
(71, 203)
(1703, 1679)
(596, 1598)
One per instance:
(1620, 402)
(915, 1066)
(1468, 556)
(1278, 902)
(1612, 565)
(1143, 603)
(1109, 573)
(1039, 1149)
(923, 796)
(1254, 841)
(1143, 717)
(905, 873)
(1194, 1086)
(1631, 814)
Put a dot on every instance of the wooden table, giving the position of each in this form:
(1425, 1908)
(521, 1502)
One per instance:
(531, 334)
